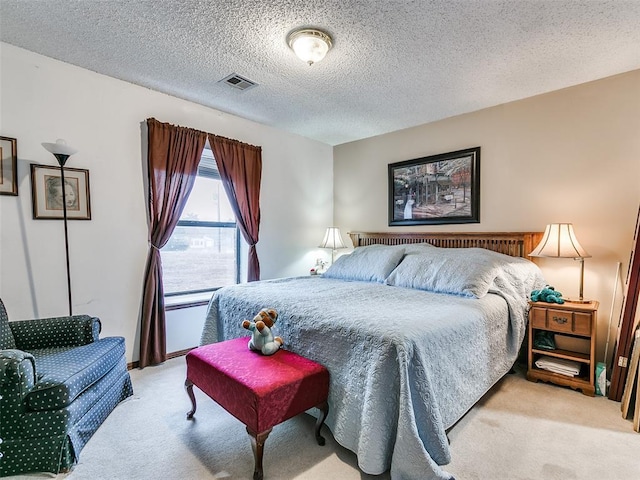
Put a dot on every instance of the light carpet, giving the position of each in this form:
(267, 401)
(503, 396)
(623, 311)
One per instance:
(518, 431)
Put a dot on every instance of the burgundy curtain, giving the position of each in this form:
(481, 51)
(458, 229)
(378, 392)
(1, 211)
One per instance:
(173, 157)
(240, 167)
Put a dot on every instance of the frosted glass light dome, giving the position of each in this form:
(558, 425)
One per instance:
(60, 147)
(310, 45)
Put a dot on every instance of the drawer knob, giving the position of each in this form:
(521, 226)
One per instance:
(560, 320)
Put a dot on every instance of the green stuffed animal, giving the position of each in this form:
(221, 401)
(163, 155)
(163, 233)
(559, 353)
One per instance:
(547, 294)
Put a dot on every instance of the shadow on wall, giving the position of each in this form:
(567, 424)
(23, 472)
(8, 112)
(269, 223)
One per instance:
(23, 171)
(144, 144)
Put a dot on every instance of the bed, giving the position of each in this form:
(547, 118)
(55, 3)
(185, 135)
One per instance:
(414, 329)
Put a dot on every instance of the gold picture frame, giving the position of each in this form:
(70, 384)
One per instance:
(46, 193)
(8, 166)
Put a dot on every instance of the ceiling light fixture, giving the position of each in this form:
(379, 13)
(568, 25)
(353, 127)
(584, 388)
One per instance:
(309, 44)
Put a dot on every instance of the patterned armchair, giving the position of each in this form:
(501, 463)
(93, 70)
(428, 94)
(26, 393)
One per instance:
(58, 383)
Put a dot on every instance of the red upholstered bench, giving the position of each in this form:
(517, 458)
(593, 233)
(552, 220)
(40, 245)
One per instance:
(260, 391)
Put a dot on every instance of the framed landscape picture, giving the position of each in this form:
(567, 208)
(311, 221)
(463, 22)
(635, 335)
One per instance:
(8, 166)
(439, 189)
(46, 192)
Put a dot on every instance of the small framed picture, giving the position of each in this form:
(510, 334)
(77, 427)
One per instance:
(8, 166)
(46, 192)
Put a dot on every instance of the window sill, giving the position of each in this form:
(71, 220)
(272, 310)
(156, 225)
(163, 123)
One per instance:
(188, 300)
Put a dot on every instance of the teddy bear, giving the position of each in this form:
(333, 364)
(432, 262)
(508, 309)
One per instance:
(547, 294)
(262, 339)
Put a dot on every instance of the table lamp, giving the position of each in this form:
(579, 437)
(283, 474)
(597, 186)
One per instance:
(333, 240)
(559, 241)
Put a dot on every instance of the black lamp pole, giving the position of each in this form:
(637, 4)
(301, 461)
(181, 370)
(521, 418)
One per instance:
(62, 159)
(62, 152)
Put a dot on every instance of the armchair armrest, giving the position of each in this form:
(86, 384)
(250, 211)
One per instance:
(17, 379)
(55, 332)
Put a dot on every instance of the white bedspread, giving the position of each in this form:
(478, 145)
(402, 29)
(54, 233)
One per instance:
(405, 364)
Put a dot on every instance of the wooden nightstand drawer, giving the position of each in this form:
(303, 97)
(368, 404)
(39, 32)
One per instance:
(582, 323)
(562, 321)
(538, 317)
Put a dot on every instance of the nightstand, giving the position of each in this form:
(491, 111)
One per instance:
(574, 328)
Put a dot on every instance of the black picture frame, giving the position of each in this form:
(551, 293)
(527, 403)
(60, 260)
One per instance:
(439, 189)
(8, 166)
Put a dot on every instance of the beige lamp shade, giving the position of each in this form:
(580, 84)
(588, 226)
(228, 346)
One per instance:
(559, 240)
(332, 239)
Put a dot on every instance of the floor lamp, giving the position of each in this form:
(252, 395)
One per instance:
(62, 152)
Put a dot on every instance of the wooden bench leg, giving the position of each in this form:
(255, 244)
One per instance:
(324, 409)
(257, 445)
(188, 385)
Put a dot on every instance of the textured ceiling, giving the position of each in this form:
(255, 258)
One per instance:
(395, 64)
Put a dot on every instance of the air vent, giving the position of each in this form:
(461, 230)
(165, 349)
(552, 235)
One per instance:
(236, 81)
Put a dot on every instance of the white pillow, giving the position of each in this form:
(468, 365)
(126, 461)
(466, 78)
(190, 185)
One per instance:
(461, 271)
(415, 247)
(372, 263)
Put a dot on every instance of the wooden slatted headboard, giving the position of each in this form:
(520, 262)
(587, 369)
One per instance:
(515, 244)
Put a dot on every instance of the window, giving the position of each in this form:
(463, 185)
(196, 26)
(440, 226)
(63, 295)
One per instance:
(203, 251)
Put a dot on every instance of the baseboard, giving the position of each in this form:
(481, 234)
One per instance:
(171, 355)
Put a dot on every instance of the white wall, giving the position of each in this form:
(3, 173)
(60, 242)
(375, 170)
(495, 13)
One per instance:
(567, 156)
(42, 99)
(184, 327)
